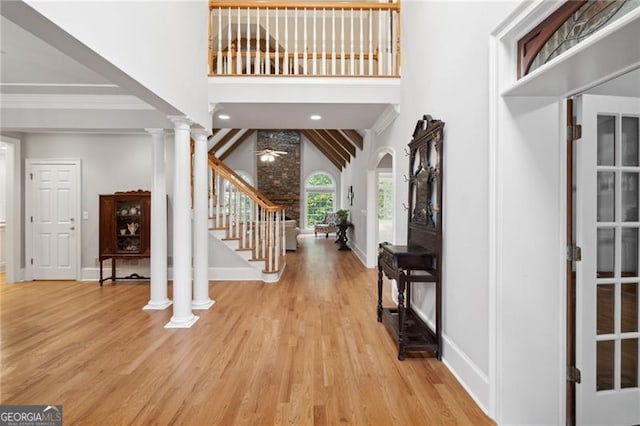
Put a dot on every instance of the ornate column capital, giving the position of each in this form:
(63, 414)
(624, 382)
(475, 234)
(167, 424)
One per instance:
(180, 121)
(199, 133)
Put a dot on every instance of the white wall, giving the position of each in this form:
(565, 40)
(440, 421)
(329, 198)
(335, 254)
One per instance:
(244, 157)
(166, 44)
(355, 175)
(445, 74)
(110, 163)
(3, 204)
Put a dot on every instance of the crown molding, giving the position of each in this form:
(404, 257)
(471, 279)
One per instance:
(82, 102)
(385, 118)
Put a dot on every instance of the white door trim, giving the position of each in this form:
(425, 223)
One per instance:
(29, 203)
(14, 272)
(502, 82)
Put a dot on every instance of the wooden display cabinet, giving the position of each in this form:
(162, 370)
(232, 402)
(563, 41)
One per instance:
(125, 223)
(421, 259)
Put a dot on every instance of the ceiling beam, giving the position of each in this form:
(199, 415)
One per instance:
(328, 147)
(237, 143)
(315, 140)
(354, 137)
(226, 138)
(333, 145)
(343, 141)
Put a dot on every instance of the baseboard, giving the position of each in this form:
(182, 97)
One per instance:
(359, 254)
(214, 274)
(470, 376)
(248, 273)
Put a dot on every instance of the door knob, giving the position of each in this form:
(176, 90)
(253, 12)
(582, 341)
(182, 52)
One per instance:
(72, 228)
(71, 220)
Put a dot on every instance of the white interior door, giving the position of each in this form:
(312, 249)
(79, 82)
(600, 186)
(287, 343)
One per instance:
(608, 226)
(53, 215)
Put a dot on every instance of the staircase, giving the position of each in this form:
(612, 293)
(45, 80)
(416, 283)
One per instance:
(246, 223)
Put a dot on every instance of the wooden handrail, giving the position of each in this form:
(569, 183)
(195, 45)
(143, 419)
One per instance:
(304, 5)
(243, 185)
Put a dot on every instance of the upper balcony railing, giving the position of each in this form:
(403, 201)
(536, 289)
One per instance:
(310, 39)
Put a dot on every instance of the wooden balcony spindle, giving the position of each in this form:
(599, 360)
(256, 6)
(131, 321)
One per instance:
(229, 57)
(295, 41)
(333, 42)
(267, 42)
(247, 60)
(304, 43)
(238, 42)
(258, 65)
(370, 64)
(352, 49)
(380, 45)
(361, 67)
(314, 54)
(342, 37)
(277, 56)
(285, 65)
(324, 42)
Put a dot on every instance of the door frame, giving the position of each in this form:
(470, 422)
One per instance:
(549, 81)
(29, 205)
(13, 241)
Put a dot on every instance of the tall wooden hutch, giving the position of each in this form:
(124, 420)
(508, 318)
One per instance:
(421, 259)
(125, 223)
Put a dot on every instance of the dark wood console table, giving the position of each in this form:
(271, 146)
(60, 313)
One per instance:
(406, 267)
(342, 235)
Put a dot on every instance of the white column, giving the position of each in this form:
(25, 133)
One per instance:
(182, 314)
(201, 298)
(158, 299)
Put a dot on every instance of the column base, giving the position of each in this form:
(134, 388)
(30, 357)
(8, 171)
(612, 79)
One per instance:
(182, 322)
(202, 305)
(158, 305)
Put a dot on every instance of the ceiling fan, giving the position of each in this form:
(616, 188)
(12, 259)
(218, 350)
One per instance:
(269, 154)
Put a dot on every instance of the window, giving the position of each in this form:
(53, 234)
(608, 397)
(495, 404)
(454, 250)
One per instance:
(320, 195)
(569, 25)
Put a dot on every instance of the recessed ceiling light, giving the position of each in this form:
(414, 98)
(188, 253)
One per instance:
(223, 116)
(316, 117)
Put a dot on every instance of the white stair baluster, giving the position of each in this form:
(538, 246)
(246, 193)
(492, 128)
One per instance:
(370, 63)
(285, 65)
(333, 42)
(277, 56)
(342, 55)
(267, 42)
(238, 42)
(304, 43)
(258, 64)
(229, 57)
(295, 41)
(314, 54)
(324, 43)
(247, 59)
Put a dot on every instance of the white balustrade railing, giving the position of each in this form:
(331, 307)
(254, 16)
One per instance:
(316, 39)
(246, 215)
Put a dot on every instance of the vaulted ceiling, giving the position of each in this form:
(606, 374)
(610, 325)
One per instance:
(338, 145)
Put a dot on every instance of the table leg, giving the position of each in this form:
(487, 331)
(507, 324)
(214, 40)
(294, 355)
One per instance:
(401, 313)
(101, 280)
(113, 270)
(379, 294)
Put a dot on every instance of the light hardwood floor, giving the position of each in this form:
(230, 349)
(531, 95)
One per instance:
(307, 350)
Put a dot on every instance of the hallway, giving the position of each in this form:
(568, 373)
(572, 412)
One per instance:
(307, 350)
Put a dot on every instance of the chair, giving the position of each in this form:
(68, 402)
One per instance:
(328, 225)
(291, 232)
